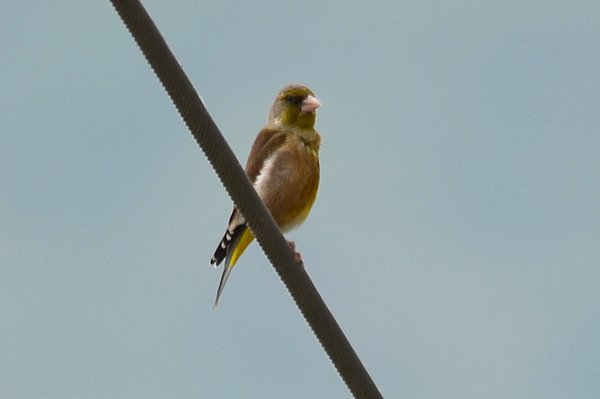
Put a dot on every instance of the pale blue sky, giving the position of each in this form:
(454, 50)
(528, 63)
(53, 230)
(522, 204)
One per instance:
(456, 235)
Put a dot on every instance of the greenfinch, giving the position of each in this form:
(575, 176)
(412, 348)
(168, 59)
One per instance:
(283, 167)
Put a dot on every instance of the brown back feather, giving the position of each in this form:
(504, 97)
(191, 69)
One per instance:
(267, 141)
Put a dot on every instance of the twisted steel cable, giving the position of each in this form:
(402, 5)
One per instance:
(233, 177)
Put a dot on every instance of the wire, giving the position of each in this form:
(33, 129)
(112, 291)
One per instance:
(233, 177)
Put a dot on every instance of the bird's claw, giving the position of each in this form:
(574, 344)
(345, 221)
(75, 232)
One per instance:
(297, 255)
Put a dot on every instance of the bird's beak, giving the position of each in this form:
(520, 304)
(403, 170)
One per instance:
(310, 104)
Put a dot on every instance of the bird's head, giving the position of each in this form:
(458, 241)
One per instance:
(295, 105)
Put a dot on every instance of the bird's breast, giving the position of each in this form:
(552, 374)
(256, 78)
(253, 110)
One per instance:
(288, 183)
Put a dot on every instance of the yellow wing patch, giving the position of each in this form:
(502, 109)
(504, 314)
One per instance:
(241, 246)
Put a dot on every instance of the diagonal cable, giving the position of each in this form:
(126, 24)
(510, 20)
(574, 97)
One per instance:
(233, 177)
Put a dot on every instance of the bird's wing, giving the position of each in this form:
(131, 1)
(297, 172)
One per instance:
(266, 143)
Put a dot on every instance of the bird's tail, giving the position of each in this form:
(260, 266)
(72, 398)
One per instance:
(228, 240)
(235, 249)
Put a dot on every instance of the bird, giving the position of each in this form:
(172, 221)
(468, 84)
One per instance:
(283, 166)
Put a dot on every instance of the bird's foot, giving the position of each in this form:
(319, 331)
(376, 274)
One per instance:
(297, 255)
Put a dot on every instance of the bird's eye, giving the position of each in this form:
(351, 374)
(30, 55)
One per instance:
(294, 99)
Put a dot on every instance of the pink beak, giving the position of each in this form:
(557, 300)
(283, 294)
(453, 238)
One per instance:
(310, 104)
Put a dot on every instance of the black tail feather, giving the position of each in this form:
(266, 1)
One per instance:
(225, 243)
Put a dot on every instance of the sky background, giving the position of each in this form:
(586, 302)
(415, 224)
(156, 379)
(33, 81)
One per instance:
(456, 235)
